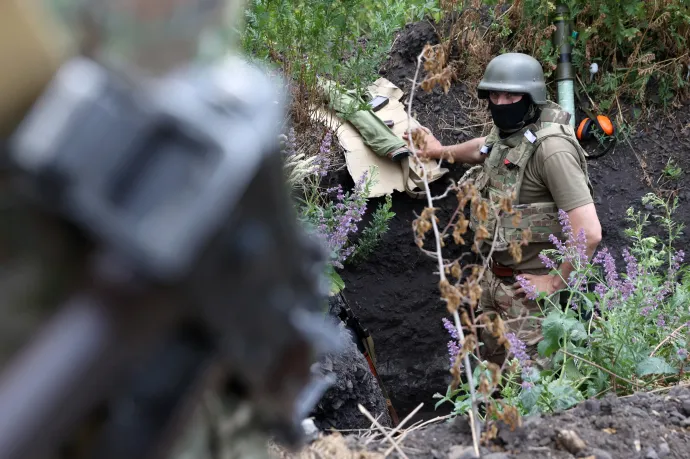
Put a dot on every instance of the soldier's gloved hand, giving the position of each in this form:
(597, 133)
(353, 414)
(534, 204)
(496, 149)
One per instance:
(428, 147)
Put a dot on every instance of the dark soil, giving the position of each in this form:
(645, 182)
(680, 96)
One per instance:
(640, 426)
(395, 292)
(353, 383)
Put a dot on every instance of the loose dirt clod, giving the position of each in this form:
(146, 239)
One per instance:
(569, 440)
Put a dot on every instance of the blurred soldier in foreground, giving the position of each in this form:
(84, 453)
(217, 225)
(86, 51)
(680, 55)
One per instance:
(159, 299)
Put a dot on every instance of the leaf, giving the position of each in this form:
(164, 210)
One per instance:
(578, 332)
(547, 347)
(530, 375)
(553, 326)
(336, 282)
(556, 326)
(654, 366)
(463, 406)
(679, 299)
(530, 397)
(563, 395)
(571, 371)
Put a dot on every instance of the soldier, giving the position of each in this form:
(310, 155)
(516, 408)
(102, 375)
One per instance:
(110, 347)
(533, 152)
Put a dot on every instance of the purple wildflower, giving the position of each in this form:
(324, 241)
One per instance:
(581, 246)
(323, 158)
(559, 245)
(565, 224)
(452, 331)
(453, 351)
(682, 354)
(606, 260)
(546, 261)
(526, 385)
(627, 289)
(530, 290)
(518, 349)
(347, 212)
(632, 267)
(660, 322)
(453, 348)
(677, 260)
(577, 281)
(621, 289)
(574, 249)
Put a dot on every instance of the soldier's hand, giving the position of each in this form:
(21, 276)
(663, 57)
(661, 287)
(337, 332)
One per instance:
(542, 284)
(426, 144)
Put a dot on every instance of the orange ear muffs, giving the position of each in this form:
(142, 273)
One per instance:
(584, 130)
(605, 125)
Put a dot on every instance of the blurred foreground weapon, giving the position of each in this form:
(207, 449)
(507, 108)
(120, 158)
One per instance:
(194, 273)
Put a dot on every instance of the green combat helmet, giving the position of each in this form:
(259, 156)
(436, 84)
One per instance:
(515, 73)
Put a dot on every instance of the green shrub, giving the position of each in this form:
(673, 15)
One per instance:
(616, 332)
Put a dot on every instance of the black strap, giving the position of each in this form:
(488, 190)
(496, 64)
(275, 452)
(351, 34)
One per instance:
(585, 108)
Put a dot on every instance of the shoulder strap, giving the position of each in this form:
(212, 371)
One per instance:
(405, 164)
(554, 114)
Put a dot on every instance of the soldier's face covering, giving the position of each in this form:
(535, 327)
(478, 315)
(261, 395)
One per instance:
(510, 117)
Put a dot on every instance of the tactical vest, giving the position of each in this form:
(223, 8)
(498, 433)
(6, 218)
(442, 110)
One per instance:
(503, 171)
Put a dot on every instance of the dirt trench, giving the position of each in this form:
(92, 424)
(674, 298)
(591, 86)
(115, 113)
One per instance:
(395, 292)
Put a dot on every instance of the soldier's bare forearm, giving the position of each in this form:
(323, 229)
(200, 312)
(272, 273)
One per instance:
(584, 219)
(466, 152)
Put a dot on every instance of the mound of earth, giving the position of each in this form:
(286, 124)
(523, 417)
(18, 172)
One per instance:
(646, 426)
(353, 384)
(395, 293)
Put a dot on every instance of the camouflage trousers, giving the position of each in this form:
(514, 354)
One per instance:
(498, 297)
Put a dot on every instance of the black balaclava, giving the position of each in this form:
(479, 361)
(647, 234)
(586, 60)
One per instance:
(510, 118)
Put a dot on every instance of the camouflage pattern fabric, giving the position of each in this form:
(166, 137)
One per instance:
(498, 298)
(502, 173)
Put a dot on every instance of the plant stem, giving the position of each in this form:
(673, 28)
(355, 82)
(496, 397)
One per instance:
(673, 333)
(439, 255)
(599, 367)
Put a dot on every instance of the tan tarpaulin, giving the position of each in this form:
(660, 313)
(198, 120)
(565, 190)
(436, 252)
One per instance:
(359, 157)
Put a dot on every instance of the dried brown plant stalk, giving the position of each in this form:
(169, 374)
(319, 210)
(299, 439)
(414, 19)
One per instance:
(462, 294)
(443, 280)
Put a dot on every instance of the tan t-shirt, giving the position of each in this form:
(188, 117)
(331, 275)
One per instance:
(552, 175)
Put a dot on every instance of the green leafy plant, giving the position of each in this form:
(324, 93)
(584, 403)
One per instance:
(672, 170)
(371, 235)
(620, 331)
(607, 331)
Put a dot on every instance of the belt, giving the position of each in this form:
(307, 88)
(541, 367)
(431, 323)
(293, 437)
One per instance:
(503, 271)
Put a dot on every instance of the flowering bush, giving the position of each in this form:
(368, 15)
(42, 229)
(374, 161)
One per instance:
(332, 214)
(610, 330)
(338, 219)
